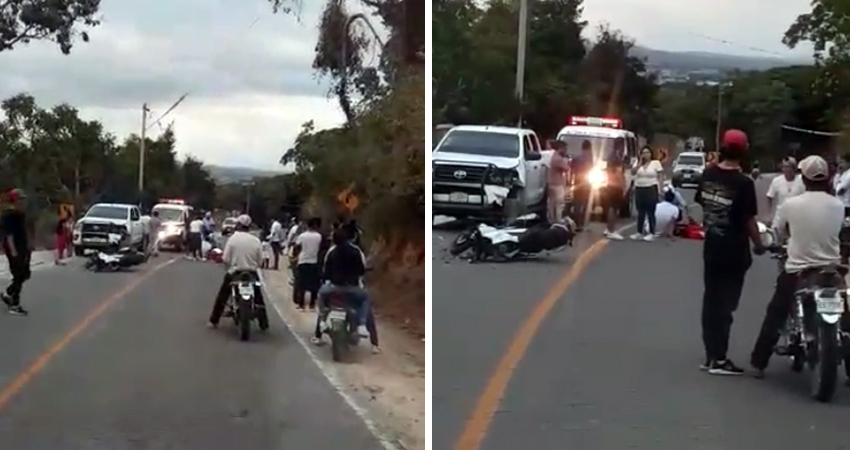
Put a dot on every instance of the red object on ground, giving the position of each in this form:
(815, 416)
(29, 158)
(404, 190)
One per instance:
(215, 255)
(693, 231)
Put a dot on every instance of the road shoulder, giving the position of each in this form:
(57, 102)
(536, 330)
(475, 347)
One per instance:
(389, 388)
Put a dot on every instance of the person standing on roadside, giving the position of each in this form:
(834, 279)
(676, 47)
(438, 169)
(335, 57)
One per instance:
(559, 170)
(614, 193)
(842, 183)
(155, 225)
(196, 228)
(784, 186)
(579, 167)
(648, 177)
(728, 200)
(16, 246)
(61, 238)
(275, 242)
(308, 271)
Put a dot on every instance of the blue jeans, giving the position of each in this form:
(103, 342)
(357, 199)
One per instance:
(356, 296)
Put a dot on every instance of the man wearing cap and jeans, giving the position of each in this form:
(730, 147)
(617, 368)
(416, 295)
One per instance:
(728, 200)
(816, 218)
(17, 249)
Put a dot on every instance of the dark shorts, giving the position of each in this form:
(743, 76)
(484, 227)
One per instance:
(195, 242)
(276, 248)
(611, 197)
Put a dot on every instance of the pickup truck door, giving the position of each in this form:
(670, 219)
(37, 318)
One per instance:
(534, 173)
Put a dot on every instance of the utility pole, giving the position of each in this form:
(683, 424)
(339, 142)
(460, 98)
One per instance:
(145, 111)
(719, 115)
(521, 47)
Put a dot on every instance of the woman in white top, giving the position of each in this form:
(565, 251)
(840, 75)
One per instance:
(648, 177)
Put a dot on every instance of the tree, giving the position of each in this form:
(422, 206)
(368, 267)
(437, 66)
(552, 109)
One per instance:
(23, 21)
(827, 27)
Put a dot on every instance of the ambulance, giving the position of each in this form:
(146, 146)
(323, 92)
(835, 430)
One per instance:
(174, 214)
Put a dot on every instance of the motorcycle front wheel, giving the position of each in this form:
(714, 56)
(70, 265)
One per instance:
(462, 243)
(824, 361)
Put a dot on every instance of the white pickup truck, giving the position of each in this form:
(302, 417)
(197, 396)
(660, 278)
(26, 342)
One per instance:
(92, 230)
(488, 172)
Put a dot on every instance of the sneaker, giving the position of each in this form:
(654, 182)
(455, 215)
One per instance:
(726, 367)
(316, 341)
(757, 373)
(362, 331)
(212, 325)
(649, 238)
(705, 365)
(613, 235)
(18, 310)
(376, 350)
(636, 237)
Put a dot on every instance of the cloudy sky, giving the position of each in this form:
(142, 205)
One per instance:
(250, 87)
(751, 27)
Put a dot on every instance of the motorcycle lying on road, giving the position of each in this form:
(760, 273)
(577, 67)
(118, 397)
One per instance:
(115, 257)
(814, 336)
(517, 240)
(242, 306)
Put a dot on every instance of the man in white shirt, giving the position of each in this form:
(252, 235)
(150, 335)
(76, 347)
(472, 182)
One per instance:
(308, 271)
(784, 186)
(667, 214)
(275, 239)
(842, 183)
(196, 227)
(812, 222)
(243, 252)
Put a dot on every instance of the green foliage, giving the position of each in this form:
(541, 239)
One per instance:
(58, 157)
(474, 66)
(827, 27)
(23, 21)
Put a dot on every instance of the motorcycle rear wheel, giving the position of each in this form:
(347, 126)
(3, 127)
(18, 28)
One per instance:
(824, 363)
(244, 315)
(339, 340)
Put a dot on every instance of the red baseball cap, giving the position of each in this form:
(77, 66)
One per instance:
(735, 138)
(15, 194)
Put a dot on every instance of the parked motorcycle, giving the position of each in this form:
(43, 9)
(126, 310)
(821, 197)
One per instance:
(518, 240)
(115, 257)
(812, 336)
(241, 305)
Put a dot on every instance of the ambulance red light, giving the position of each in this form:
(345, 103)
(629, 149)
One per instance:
(608, 122)
(173, 201)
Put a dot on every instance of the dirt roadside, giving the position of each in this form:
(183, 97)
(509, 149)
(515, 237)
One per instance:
(389, 386)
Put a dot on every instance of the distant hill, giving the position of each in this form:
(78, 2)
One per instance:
(224, 174)
(696, 61)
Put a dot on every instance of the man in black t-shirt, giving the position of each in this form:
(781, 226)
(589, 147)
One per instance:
(728, 200)
(613, 194)
(17, 249)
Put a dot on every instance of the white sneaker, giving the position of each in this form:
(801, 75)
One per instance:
(649, 238)
(613, 235)
(376, 350)
(362, 331)
(316, 341)
(636, 237)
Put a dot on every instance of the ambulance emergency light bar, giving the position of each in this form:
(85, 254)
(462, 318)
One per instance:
(172, 201)
(608, 122)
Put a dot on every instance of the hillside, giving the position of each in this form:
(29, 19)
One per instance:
(705, 61)
(224, 174)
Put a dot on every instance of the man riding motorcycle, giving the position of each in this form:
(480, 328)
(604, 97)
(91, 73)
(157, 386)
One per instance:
(242, 253)
(812, 222)
(344, 268)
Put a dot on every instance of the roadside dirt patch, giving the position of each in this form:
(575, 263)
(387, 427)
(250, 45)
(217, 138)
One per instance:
(397, 284)
(390, 386)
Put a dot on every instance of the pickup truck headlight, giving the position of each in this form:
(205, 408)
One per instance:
(502, 177)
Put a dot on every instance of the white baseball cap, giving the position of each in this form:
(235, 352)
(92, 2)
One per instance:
(814, 168)
(244, 220)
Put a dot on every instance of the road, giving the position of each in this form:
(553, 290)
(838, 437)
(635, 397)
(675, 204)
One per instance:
(124, 361)
(614, 362)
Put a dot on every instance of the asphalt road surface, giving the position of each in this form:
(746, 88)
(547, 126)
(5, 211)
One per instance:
(123, 361)
(613, 363)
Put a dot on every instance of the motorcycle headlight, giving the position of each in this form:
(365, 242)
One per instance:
(597, 177)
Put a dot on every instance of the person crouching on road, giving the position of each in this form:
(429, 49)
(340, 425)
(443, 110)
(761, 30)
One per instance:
(728, 200)
(667, 215)
(344, 269)
(816, 219)
(648, 176)
(196, 228)
(308, 271)
(559, 170)
(243, 252)
(16, 246)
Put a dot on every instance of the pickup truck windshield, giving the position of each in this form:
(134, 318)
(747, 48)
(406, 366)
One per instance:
(690, 160)
(107, 212)
(481, 143)
(602, 146)
(169, 214)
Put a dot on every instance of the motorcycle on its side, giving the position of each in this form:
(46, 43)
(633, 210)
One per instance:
(813, 337)
(242, 306)
(515, 241)
(115, 257)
